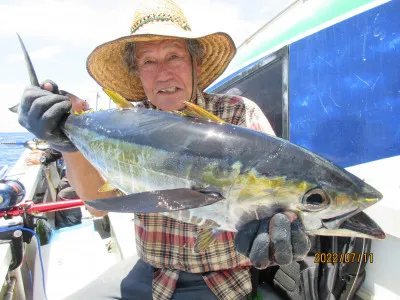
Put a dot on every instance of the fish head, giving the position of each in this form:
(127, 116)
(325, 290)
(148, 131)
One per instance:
(337, 210)
(328, 199)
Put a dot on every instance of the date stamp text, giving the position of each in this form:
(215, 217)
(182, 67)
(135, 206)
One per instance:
(351, 257)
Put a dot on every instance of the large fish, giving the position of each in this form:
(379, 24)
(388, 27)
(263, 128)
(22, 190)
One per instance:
(140, 151)
(216, 175)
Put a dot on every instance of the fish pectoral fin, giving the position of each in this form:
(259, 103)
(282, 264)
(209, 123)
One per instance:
(157, 201)
(119, 101)
(194, 110)
(205, 238)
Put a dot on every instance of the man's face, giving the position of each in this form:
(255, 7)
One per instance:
(166, 72)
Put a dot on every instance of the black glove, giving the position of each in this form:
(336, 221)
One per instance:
(276, 240)
(41, 112)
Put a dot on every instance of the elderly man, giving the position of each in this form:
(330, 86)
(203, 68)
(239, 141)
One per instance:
(161, 65)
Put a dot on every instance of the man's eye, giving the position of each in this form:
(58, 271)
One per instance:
(173, 57)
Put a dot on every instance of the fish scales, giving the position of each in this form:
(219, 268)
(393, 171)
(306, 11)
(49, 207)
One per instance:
(140, 150)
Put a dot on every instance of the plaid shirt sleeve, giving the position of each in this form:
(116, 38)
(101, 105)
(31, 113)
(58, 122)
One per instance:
(246, 113)
(255, 119)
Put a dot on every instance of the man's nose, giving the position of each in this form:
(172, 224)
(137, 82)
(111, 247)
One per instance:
(163, 71)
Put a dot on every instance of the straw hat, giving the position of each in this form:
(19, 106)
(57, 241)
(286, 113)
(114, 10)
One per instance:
(156, 20)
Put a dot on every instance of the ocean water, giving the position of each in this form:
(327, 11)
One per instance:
(9, 153)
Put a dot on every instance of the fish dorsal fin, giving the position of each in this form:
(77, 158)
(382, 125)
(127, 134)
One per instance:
(194, 110)
(205, 238)
(119, 101)
(14, 108)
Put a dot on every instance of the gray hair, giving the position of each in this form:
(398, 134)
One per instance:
(129, 57)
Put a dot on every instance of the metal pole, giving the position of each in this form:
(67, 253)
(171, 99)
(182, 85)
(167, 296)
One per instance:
(16, 279)
(97, 100)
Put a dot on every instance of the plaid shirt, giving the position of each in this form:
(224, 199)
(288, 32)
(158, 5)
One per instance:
(167, 244)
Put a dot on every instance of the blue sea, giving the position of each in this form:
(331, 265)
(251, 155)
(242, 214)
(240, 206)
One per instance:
(9, 153)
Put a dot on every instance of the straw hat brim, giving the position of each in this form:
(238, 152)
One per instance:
(105, 64)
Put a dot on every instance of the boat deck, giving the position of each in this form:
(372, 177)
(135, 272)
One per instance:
(75, 255)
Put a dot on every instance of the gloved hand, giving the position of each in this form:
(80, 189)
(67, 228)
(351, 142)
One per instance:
(42, 111)
(276, 240)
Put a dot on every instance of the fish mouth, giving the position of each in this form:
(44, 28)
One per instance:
(363, 226)
(335, 222)
(370, 194)
(354, 223)
(375, 195)
(366, 196)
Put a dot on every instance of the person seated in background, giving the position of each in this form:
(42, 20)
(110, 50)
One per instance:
(66, 217)
(44, 157)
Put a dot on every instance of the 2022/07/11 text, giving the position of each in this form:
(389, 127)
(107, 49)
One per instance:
(350, 257)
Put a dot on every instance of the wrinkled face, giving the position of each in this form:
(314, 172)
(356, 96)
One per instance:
(165, 70)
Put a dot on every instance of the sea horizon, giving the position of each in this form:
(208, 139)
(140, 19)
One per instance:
(11, 146)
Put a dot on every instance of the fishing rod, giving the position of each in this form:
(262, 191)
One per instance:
(33, 145)
(30, 207)
(17, 224)
(12, 193)
(13, 143)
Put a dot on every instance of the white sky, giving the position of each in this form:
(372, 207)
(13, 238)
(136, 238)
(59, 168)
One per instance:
(60, 34)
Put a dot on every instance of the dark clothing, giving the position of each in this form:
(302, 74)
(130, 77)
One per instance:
(52, 155)
(67, 217)
(131, 279)
(63, 184)
(121, 281)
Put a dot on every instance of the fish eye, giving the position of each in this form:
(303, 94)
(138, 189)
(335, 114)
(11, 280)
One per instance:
(315, 199)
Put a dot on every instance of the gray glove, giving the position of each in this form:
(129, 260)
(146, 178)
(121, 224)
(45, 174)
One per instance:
(276, 240)
(42, 112)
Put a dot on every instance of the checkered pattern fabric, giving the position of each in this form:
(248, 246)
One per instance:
(168, 244)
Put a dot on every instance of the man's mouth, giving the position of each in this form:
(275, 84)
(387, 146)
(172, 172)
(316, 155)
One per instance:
(169, 90)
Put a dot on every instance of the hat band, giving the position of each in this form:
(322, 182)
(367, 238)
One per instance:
(160, 18)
